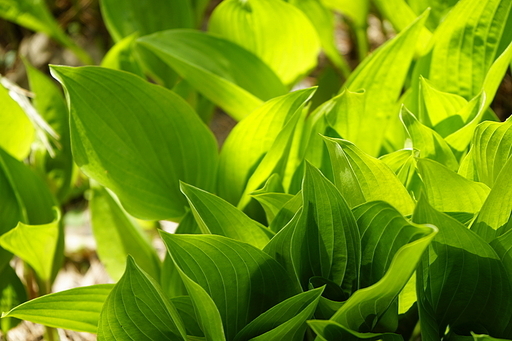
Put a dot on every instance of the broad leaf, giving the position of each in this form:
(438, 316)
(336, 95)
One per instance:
(251, 139)
(76, 309)
(18, 131)
(356, 11)
(118, 236)
(382, 75)
(224, 72)
(270, 29)
(361, 178)
(215, 215)
(136, 308)
(122, 56)
(333, 331)
(447, 191)
(12, 293)
(236, 275)
(284, 321)
(123, 128)
(461, 280)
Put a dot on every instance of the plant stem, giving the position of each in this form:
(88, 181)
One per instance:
(50, 334)
(362, 41)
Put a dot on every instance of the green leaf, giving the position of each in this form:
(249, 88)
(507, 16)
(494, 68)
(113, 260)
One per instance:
(216, 216)
(491, 147)
(76, 309)
(270, 29)
(185, 308)
(363, 310)
(382, 75)
(222, 71)
(118, 236)
(495, 217)
(333, 331)
(286, 213)
(284, 321)
(234, 274)
(357, 11)
(136, 308)
(122, 56)
(50, 104)
(18, 131)
(447, 191)
(324, 241)
(123, 128)
(271, 197)
(430, 144)
(251, 139)
(124, 18)
(12, 293)
(345, 114)
(403, 163)
(486, 338)
(461, 281)
(35, 15)
(361, 178)
(467, 39)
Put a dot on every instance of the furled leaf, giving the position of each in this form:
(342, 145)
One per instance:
(447, 191)
(251, 139)
(271, 197)
(270, 29)
(366, 306)
(136, 308)
(429, 143)
(125, 17)
(467, 39)
(50, 104)
(491, 147)
(118, 236)
(324, 241)
(361, 178)
(76, 309)
(17, 130)
(122, 56)
(286, 213)
(215, 215)
(333, 331)
(382, 75)
(35, 15)
(12, 294)
(403, 163)
(224, 72)
(461, 281)
(137, 139)
(495, 217)
(236, 275)
(284, 321)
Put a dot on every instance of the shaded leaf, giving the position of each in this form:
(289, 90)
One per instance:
(333, 331)
(12, 294)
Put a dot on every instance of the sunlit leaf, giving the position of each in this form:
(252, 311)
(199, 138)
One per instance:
(12, 294)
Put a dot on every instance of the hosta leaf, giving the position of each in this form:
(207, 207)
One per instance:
(491, 147)
(383, 232)
(251, 139)
(185, 308)
(361, 178)
(345, 114)
(122, 56)
(333, 331)
(124, 18)
(447, 191)
(236, 275)
(224, 72)
(429, 143)
(403, 163)
(323, 21)
(486, 338)
(12, 293)
(461, 281)
(324, 242)
(35, 15)
(137, 139)
(118, 236)
(441, 109)
(271, 197)
(136, 308)
(76, 309)
(284, 321)
(50, 104)
(467, 39)
(270, 29)
(356, 11)
(18, 131)
(366, 306)
(382, 75)
(35, 244)
(215, 215)
(495, 217)
(286, 213)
